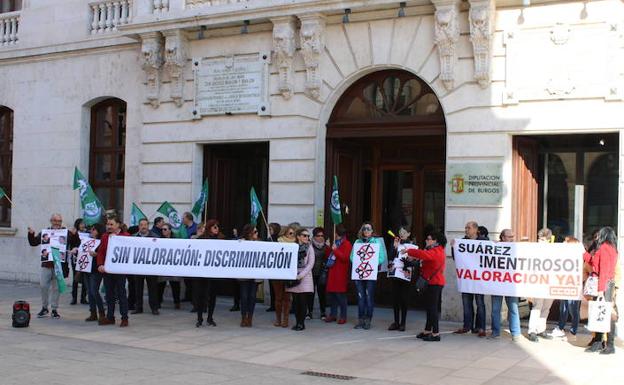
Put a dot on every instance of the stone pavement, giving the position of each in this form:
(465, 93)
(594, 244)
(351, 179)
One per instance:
(168, 349)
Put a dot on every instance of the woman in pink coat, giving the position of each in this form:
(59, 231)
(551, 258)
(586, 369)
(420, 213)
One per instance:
(305, 283)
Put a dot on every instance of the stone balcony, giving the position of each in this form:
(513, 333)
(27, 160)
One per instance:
(9, 28)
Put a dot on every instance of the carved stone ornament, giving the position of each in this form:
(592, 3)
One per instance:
(175, 60)
(446, 36)
(284, 48)
(481, 17)
(312, 37)
(151, 61)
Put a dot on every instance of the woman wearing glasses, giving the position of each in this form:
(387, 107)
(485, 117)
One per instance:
(248, 287)
(204, 289)
(282, 297)
(366, 288)
(174, 282)
(305, 285)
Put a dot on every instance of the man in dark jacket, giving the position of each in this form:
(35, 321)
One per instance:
(47, 282)
(158, 224)
(152, 280)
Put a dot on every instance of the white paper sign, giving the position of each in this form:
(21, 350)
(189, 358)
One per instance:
(396, 269)
(201, 258)
(533, 270)
(84, 261)
(53, 238)
(365, 264)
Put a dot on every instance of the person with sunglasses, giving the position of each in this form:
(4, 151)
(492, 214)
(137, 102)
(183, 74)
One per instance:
(205, 289)
(248, 287)
(282, 297)
(321, 252)
(174, 282)
(305, 286)
(366, 288)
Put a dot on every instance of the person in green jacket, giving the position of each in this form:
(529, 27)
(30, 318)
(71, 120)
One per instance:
(366, 286)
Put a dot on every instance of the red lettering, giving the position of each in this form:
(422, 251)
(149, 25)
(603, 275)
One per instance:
(497, 276)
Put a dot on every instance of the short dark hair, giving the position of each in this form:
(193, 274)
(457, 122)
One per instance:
(157, 220)
(439, 237)
(143, 220)
(340, 230)
(317, 231)
(300, 231)
(189, 216)
(247, 231)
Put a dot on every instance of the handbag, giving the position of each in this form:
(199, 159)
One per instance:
(599, 316)
(422, 283)
(591, 286)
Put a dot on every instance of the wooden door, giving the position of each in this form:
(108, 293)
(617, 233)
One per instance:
(525, 188)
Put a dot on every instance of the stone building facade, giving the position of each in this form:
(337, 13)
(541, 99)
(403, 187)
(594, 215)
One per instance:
(532, 92)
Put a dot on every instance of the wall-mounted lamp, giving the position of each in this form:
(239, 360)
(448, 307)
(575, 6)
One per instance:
(200, 34)
(345, 18)
(402, 6)
(245, 27)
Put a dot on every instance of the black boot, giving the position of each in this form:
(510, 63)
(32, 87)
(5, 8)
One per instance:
(610, 344)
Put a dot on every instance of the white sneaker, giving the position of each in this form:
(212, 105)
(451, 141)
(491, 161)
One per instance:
(557, 333)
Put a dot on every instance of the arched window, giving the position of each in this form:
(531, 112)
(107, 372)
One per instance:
(107, 152)
(6, 163)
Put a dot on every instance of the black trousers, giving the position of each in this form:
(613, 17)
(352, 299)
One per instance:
(188, 289)
(78, 278)
(204, 297)
(300, 303)
(131, 292)
(432, 299)
(319, 288)
(400, 300)
(175, 291)
(152, 291)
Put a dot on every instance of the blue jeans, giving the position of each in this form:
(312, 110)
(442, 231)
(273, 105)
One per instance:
(572, 308)
(469, 316)
(335, 300)
(95, 299)
(366, 298)
(248, 289)
(513, 316)
(116, 291)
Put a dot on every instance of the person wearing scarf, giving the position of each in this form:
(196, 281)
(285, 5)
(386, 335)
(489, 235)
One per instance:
(321, 252)
(300, 292)
(400, 287)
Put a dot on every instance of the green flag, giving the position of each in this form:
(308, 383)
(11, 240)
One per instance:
(91, 206)
(2, 193)
(256, 207)
(58, 270)
(136, 215)
(201, 200)
(336, 214)
(178, 230)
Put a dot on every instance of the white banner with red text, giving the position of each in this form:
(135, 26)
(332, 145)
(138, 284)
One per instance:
(522, 269)
(208, 258)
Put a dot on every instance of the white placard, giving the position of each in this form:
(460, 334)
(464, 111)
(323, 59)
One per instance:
(231, 85)
(533, 270)
(84, 261)
(53, 238)
(396, 269)
(201, 258)
(365, 264)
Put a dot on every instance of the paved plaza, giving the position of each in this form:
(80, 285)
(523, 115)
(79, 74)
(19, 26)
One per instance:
(168, 349)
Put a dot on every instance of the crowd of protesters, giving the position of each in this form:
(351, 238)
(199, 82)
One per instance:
(323, 272)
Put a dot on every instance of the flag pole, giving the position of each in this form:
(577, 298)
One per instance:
(205, 212)
(266, 223)
(7, 198)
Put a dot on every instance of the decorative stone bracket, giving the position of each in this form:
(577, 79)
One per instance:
(446, 30)
(481, 18)
(284, 51)
(151, 61)
(176, 55)
(312, 37)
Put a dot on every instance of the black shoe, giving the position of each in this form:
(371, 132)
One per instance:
(298, 328)
(595, 347)
(533, 337)
(83, 301)
(609, 349)
(422, 335)
(155, 312)
(193, 310)
(393, 326)
(545, 336)
(431, 338)
(73, 302)
(211, 323)
(137, 311)
(401, 328)
(198, 323)
(308, 316)
(44, 312)
(55, 314)
(270, 309)
(235, 308)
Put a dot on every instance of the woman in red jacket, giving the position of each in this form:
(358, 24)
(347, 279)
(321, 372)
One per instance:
(338, 276)
(115, 283)
(603, 263)
(433, 262)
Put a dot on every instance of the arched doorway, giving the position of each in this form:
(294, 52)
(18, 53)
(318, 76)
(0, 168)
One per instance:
(386, 143)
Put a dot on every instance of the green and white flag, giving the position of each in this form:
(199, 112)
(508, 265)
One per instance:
(178, 230)
(201, 200)
(58, 270)
(136, 215)
(256, 207)
(91, 206)
(336, 214)
(2, 193)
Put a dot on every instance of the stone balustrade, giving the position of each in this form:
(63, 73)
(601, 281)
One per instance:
(107, 15)
(196, 3)
(160, 6)
(9, 28)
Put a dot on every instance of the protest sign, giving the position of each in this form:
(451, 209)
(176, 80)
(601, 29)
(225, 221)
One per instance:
(201, 258)
(365, 262)
(53, 238)
(397, 267)
(534, 270)
(84, 261)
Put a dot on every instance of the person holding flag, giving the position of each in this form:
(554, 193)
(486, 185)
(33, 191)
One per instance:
(178, 231)
(89, 203)
(200, 203)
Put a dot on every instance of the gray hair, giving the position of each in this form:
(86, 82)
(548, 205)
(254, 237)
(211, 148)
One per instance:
(472, 224)
(606, 235)
(56, 215)
(545, 233)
